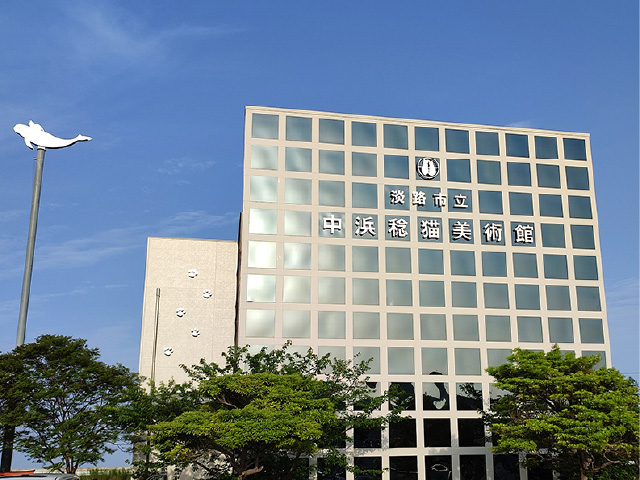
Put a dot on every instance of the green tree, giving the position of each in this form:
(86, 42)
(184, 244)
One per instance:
(262, 415)
(11, 407)
(68, 399)
(564, 414)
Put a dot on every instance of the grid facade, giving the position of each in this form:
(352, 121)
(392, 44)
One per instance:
(432, 248)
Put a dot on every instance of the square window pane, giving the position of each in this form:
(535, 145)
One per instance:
(296, 289)
(431, 293)
(395, 136)
(297, 159)
(367, 438)
(364, 195)
(396, 197)
(434, 361)
(261, 288)
(582, 237)
(525, 265)
(435, 396)
(468, 361)
(574, 149)
(263, 189)
(577, 178)
(331, 290)
(263, 221)
(364, 259)
(468, 396)
(430, 261)
(555, 266)
(457, 140)
(264, 156)
(399, 293)
(334, 350)
(517, 145)
(433, 326)
(398, 260)
(508, 467)
(487, 143)
(551, 205)
(262, 254)
(494, 264)
(264, 126)
(558, 297)
(463, 294)
(366, 291)
(363, 134)
(529, 329)
(400, 360)
(331, 193)
(331, 224)
(472, 467)
(427, 139)
(438, 464)
(600, 353)
(520, 203)
(548, 175)
(331, 131)
(588, 299)
(496, 295)
(580, 207)
(497, 356)
(331, 257)
(465, 327)
(591, 330)
(296, 324)
(437, 433)
(297, 223)
(371, 354)
(460, 200)
(490, 202)
(523, 234)
(260, 323)
(489, 172)
(331, 161)
(463, 262)
(396, 166)
(471, 432)
(331, 325)
(519, 174)
(546, 147)
(552, 235)
(399, 326)
(560, 330)
(498, 328)
(299, 128)
(297, 191)
(364, 164)
(366, 325)
(527, 297)
(585, 267)
(458, 170)
(369, 463)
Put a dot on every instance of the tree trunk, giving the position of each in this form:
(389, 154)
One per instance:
(8, 436)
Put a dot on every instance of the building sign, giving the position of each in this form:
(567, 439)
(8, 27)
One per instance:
(428, 167)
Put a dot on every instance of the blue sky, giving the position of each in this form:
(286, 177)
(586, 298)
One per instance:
(161, 87)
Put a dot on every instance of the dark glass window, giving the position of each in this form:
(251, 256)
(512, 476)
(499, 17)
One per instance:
(555, 266)
(551, 205)
(468, 396)
(591, 330)
(330, 472)
(427, 139)
(527, 297)
(588, 299)
(369, 463)
(402, 395)
(437, 466)
(430, 261)
(435, 396)
(487, 143)
(463, 263)
(517, 145)
(363, 134)
(402, 434)
(574, 149)
(519, 174)
(437, 432)
(552, 235)
(264, 126)
(580, 207)
(582, 237)
(490, 202)
(548, 176)
(558, 297)
(396, 166)
(395, 136)
(506, 467)
(489, 172)
(577, 178)
(520, 203)
(457, 140)
(331, 131)
(458, 170)
(471, 432)
(525, 265)
(546, 147)
(401, 468)
(585, 267)
(529, 329)
(494, 264)
(472, 467)
(364, 164)
(331, 161)
(367, 437)
(496, 295)
(463, 294)
(560, 330)
(299, 128)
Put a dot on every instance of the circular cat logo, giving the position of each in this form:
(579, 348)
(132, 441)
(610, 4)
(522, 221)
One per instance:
(428, 167)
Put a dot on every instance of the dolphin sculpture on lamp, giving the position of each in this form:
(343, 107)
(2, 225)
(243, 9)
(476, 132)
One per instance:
(34, 134)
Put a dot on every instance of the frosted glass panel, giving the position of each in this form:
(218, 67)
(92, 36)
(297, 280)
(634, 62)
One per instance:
(331, 325)
(399, 326)
(260, 323)
(262, 254)
(297, 256)
(331, 290)
(263, 221)
(366, 325)
(434, 361)
(263, 189)
(296, 289)
(433, 326)
(400, 360)
(468, 361)
(366, 353)
(261, 288)
(366, 291)
(331, 257)
(296, 324)
(465, 327)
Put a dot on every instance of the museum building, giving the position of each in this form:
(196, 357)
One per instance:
(432, 248)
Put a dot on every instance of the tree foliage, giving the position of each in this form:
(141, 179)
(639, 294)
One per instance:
(65, 413)
(564, 414)
(262, 415)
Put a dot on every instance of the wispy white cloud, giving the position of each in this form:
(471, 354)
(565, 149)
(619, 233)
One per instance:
(623, 300)
(178, 165)
(522, 124)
